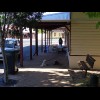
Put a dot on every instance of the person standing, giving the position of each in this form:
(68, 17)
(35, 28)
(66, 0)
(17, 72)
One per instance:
(60, 41)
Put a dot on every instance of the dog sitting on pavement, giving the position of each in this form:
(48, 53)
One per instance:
(43, 63)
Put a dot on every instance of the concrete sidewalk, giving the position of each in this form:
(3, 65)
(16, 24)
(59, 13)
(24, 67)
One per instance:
(32, 74)
(51, 75)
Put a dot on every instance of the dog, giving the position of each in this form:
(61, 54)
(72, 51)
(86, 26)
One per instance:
(43, 63)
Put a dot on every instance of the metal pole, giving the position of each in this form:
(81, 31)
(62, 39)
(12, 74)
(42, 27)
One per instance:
(45, 42)
(36, 49)
(49, 37)
(30, 43)
(41, 40)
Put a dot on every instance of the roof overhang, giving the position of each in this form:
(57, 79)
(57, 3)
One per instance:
(52, 24)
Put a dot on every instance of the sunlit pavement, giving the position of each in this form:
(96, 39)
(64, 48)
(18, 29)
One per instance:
(44, 77)
(41, 77)
(47, 77)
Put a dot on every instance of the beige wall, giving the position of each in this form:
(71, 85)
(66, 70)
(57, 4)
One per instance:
(58, 34)
(80, 16)
(85, 39)
(73, 61)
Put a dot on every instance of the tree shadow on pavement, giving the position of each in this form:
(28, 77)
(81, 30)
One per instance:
(41, 78)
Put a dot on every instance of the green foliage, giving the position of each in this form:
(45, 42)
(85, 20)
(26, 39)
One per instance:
(15, 32)
(1, 19)
(97, 25)
(94, 15)
(26, 19)
(19, 19)
(39, 30)
(5, 16)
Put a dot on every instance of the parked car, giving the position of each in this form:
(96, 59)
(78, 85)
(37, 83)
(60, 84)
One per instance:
(10, 44)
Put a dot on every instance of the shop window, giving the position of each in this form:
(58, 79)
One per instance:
(59, 34)
(54, 34)
(62, 35)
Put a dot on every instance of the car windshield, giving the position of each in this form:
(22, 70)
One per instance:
(9, 44)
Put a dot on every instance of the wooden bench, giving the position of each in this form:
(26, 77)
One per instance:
(88, 64)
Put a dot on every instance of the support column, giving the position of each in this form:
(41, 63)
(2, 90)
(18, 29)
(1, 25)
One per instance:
(30, 43)
(68, 41)
(49, 37)
(36, 42)
(45, 42)
(21, 47)
(41, 40)
(69, 37)
(65, 37)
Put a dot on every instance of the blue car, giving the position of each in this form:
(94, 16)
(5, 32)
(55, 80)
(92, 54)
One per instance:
(10, 44)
